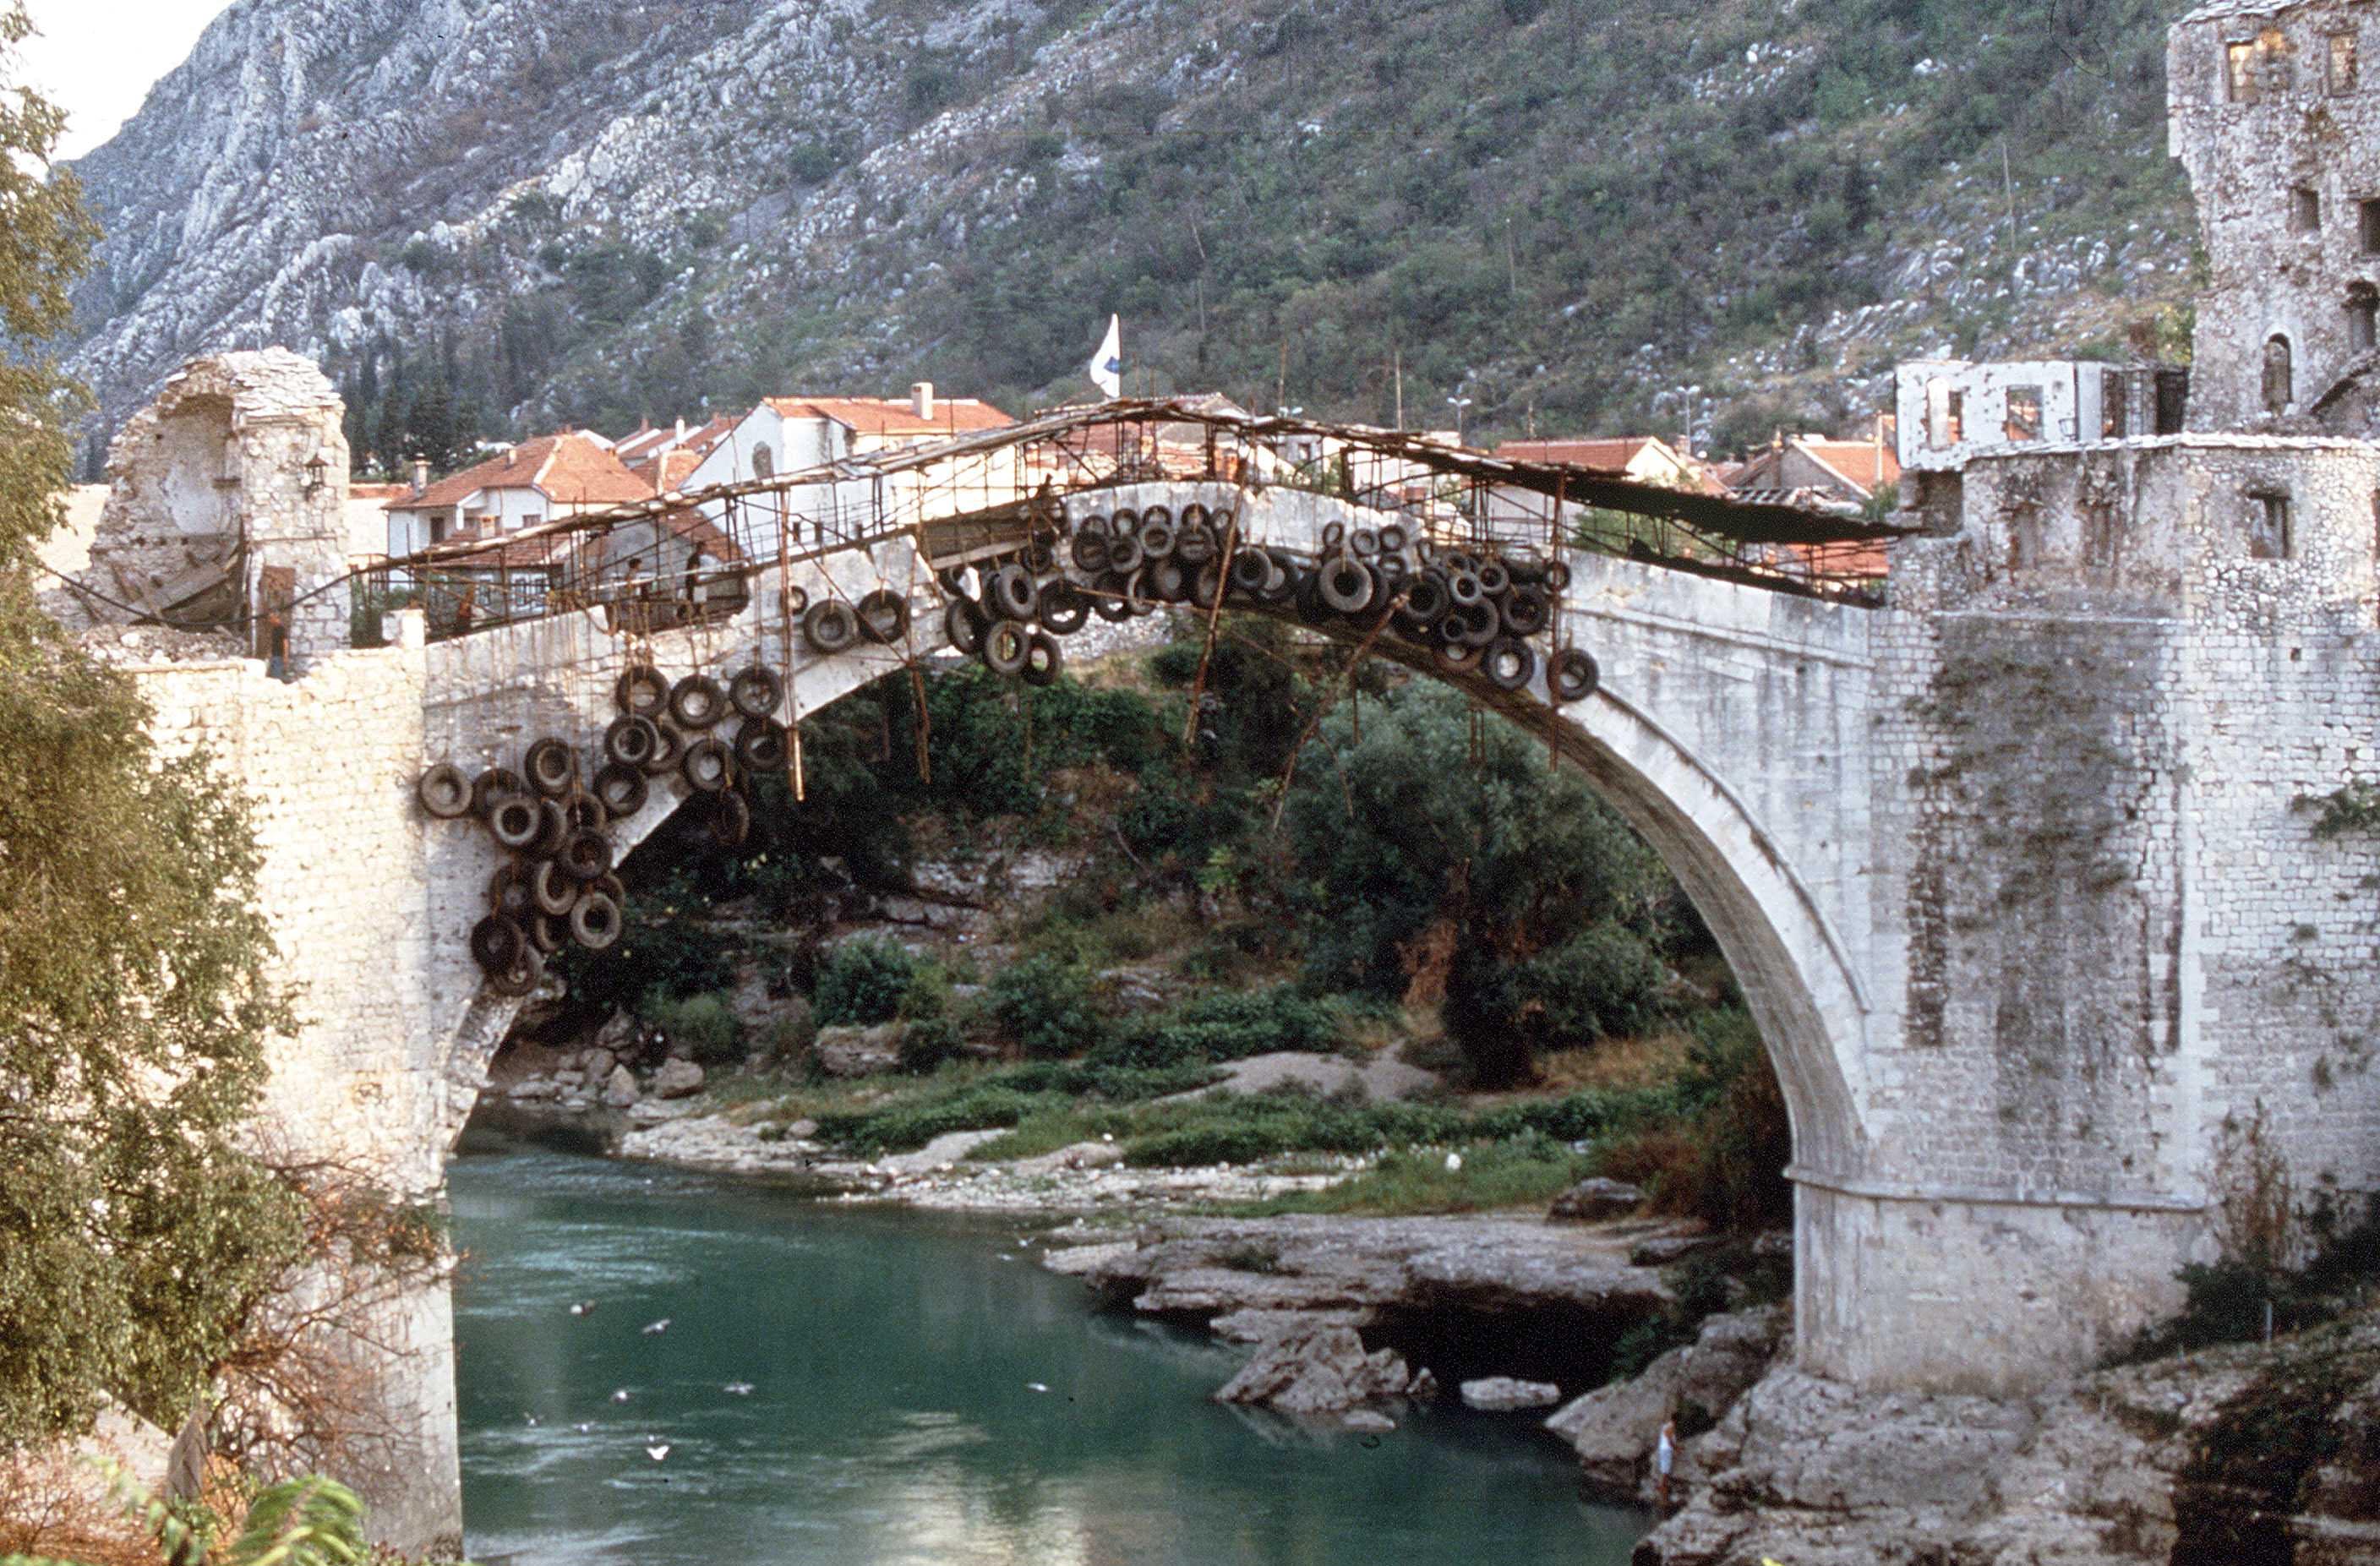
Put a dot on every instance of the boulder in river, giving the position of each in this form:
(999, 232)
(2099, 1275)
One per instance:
(620, 1088)
(677, 1079)
(1502, 1394)
(1613, 1429)
(1323, 1371)
(1592, 1201)
(859, 1051)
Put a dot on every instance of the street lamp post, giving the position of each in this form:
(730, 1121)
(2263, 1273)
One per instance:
(1457, 404)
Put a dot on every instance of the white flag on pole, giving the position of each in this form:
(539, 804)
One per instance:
(1106, 368)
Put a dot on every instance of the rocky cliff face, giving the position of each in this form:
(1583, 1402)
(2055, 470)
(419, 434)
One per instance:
(1570, 210)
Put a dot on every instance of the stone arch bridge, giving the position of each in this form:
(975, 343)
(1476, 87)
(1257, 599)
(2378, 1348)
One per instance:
(2004, 855)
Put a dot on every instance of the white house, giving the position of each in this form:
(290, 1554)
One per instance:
(553, 475)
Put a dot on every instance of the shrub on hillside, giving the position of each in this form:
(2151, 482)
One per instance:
(1721, 1155)
(863, 982)
(1044, 1004)
(1225, 1028)
(1601, 983)
(700, 1027)
(927, 1043)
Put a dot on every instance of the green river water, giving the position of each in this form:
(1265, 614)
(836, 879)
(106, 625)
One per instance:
(895, 1412)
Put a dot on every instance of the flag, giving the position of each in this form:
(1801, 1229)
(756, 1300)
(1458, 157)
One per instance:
(1106, 368)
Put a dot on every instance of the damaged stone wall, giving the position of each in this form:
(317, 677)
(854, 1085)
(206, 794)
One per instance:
(225, 511)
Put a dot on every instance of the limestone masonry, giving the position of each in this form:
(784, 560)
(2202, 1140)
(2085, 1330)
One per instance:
(2016, 870)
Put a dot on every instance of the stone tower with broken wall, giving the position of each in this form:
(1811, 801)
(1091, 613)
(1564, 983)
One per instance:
(225, 511)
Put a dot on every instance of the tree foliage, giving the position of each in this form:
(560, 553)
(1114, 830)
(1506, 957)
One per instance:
(134, 1001)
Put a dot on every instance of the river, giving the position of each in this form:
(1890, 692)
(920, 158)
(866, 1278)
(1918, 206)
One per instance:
(920, 1392)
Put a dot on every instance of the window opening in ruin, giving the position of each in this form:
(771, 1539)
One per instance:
(2115, 405)
(2239, 72)
(2367, 213)
(2305, 211)
(1944, 404)
(764, 462)
(2268, 527)
(2023, 414)
(2272, 67)
(2342, 62)
(1954, 418)
(2279, 380)
(2362, 315)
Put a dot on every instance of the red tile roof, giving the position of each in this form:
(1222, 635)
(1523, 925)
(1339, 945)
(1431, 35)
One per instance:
(1864, 463)
(669, 470)
(895, 416)
(567, 469)
(1612, 456)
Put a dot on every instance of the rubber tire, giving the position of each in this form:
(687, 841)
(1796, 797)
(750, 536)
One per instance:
(1456, 658)
(1094, 522)
(585, 813)
(1393, 537)
(1089, 552)
(1007, 646)
(696, 703)
(552, 887)
(1508, 662)
(444, 793)
(495, 941)
(831, 626)
(795, 601)
(1195, 543)
(1109, 601)
(1525, 610)
(672, 752)
(1363, 543)
(883, 619)
(1462, 587)
(1208, 585)
(1064, 608)
(597, 922)
(757, 692)
(760, 746)
(1044, 659)
(1556, 575)
(585, 858)
(631, 741)
(962, 624)
(1334, 535)
(1281, 584)
(731, 820)
(1478, 625)
(1494, 580)
(508, 891)
(1346, 586)
(515, 822)
(1167, 582)
(1013, 595)
(552, 767)
(1124, 524)
(1156, 538)
(622, 788)
(1251, 570)
(641, 692)
(522, 978)
(1572, 675)
(547, 933)
(707, 765)
(613, 887)
(1124, 556)
(496, 783)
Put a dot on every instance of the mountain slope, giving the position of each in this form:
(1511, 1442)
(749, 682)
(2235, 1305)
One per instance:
(1569, 211)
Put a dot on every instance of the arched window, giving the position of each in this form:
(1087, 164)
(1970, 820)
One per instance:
(764, 462)
(2362, 312)
(2279, 380)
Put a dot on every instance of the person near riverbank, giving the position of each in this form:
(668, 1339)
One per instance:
(1665, 1457)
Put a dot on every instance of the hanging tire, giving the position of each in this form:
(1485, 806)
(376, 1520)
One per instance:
(1391, 570)
(597, 921)
(1334, 534)
(1041, 557)
(1208, 585)
(522, 976)
(1156, 537)
(1346, 586)
(829, 627)
(883, 618)
(1508, 662)
(793, 602)
(1283, 581)
(731, 820)
(760, 746)
(1525, 610)
(585, 858)
(1165, 580)
(1309, 595)
(1456, 658)
(1124, 524)
(1007, 646)
(1108, 598)
(757, 692)
(1064, 608)
(641, 692)
(1556, 575)
(552, 887)
(1251, 570)
(585, 813)
(1393, 537)
(547, 933)
(963, 622)
(1092, 522)
(1221, 520)
(1528, 569)
(952, 579)
(552, 767)
(1460, 560)
(1463, 586)
(1194, 515)
(495, 941)
(1425, 604)
(508, 892)
(613, 887)
(623, 789)
(1572, 675)
(1089, 552)
(1195, 543)
(495, 783)
(1363, 543)
(672, 751)
(707, 765)
(697, 702)
(1043, 660)
(444, 793)
(1139, 595)
(516, 821)
(1495, 581)
(1013, 595)
(631, 741)
(1473, 625)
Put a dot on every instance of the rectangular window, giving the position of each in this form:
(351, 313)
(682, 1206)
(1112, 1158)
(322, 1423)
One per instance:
(2305, 211)
(2023, 414)
(531, 520)
(2268, 527)
(2342, 62)
(1954, 418)
(2239, 72)
(2115, 407)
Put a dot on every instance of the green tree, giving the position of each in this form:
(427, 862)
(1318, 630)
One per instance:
(135, 1233)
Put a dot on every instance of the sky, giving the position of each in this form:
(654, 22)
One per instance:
(97, 59)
